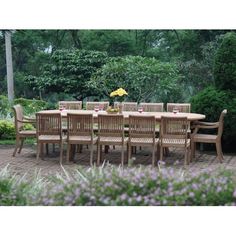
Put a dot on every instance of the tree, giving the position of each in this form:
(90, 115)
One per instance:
(225, 63)
(145, 79)
(10, 83)
(68, 71)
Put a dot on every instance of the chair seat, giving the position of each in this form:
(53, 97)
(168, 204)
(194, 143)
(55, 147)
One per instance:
(52, 138)
(112, 140)
(143, 141)
(175, 142)
(82, 139)
(28, 133)
(204, 138)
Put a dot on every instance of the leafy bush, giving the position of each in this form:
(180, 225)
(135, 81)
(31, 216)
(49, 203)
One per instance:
(113, 186)
(211, 102)
(5, 107)
(31, 106)
(7, 129)
(145, 79)
(225, 63)
(68, 71)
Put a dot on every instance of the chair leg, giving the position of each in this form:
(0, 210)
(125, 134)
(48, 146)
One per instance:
(158, 152)
(16, 146)
(91, 155)
(38, 151)
(122, 155)
(153, 156)
(219, 151)
(129, 152)
(21, 145)
(186, 157)
(68, 152)
(193, 147)
(98, 154)
(161, 153)
(53, 147)
(61, 152)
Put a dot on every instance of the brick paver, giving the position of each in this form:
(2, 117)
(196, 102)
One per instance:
(25, 163)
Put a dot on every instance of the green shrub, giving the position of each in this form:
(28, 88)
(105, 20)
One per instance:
(5, 107)
(225, 63)
(7, 129)
(31, 106)
(211, 102)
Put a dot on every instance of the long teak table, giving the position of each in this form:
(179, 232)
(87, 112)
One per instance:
(158, 115)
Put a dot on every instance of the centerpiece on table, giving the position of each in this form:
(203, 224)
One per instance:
(119, 94)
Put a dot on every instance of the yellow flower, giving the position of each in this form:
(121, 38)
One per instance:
(119, 92)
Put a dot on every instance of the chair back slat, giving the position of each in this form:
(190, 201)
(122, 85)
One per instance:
(182, 107)
(48, 124)
(127, 106)
(142, 126)
(111, 125)
(70, 105)
(18, 111)
(221, 123)
(101, 105)
(174, 128)
(152, 107)
(80, 124)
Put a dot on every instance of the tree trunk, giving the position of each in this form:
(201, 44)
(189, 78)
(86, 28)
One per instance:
(10, 84)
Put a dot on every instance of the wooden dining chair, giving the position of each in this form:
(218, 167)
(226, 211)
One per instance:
(111, 132)
(173, 133)
(181, 107)
(70, 105)
(152, 107)
(49, 130)
(80, 131)
(22, 134)
(142, 133)
(101, 105)
(209, 138)
(129, 106)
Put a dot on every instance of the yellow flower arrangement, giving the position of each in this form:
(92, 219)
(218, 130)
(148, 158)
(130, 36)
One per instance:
(119, 92)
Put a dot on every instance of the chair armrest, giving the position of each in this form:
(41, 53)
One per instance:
(207, 123)
(26, 121)
(29, 118)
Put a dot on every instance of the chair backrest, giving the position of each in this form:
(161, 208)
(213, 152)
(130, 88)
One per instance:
(79, 124)
(221, 123)
(142, 126)
(182, 107)
(100, 105)
(152, 107)
(129, 106)
(48, 123)
(18, 111)
(70, 105)
(174, 128)
(111, 125)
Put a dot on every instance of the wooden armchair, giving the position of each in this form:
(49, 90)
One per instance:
(208, 138)
(129, 106)
(80, 131)
(142, 133)
(152, 107)
(70, 105)
(173, 133)
(22, 134)
(111, 132)
(49, 130)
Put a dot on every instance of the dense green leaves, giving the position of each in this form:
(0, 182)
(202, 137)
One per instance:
(225, 63)
(145, 79)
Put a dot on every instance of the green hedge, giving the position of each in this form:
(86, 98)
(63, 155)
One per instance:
(211, 102)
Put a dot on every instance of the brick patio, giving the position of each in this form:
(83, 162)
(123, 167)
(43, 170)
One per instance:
(26, 161)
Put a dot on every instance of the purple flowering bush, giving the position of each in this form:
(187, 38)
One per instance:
(111, 186)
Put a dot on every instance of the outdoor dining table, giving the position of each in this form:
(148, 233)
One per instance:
(126, 114)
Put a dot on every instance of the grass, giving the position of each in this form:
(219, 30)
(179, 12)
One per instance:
(30, 141)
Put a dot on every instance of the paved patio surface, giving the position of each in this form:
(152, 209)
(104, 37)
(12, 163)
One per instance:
(26, 161)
